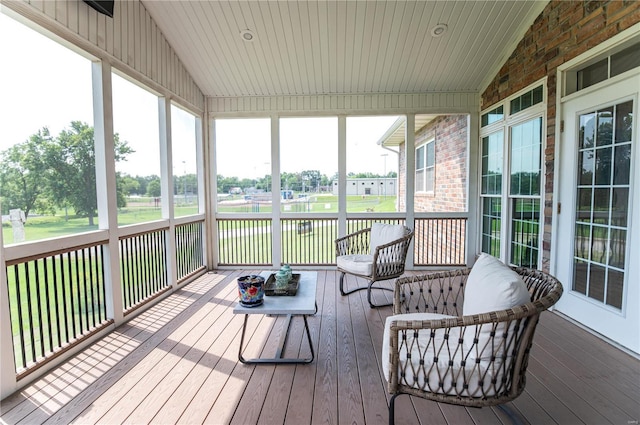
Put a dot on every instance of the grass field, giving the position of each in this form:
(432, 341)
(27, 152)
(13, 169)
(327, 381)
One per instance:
(44, 227)
(324, 203)
(141, 210)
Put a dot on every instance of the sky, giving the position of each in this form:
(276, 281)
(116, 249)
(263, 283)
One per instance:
(53, 87)
(305, 144)
(41, 93)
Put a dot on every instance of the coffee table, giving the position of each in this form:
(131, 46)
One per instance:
(302, 304)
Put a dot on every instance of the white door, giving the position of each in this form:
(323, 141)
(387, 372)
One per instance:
(597, 256)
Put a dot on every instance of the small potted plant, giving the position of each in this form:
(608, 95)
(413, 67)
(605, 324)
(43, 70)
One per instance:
(251, 290)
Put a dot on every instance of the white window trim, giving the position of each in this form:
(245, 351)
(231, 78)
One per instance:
(504, 125)
(426, 167)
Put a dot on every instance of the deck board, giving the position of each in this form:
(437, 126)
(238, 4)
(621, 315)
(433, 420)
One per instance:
(350, 404)
(178, 363)
(325, 396)
(300, 406)
(368, 355)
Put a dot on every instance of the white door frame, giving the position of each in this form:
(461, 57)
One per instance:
(621, 326)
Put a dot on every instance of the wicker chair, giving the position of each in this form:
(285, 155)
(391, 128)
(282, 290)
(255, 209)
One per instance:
(476, 360)
(360, 255)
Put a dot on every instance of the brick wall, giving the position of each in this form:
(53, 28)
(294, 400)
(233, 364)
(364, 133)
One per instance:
(564, 30)
(450, 134)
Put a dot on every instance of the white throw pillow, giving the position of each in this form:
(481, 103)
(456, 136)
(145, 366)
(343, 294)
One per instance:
(492, 286)
(382, 234)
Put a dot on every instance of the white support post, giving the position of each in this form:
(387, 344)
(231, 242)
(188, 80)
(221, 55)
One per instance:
(276, 234)
(166, 185)
(200, 172)
(342, 175)
(199, 164)
(106, 185)
(410, 155)
(211, 173)
(7, 363)
(473, 200)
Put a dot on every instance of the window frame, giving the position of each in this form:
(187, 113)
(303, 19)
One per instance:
(426, 168)
(507, 199)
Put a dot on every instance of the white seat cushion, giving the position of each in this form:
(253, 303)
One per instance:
(441, 364)
(382, 234)
(386, 348)
(361, 264)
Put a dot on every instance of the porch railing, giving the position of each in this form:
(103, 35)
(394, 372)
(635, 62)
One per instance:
(189, 249)
(243, 242)
(308, 241)
(55, 299)
(143, 267)
(440, 239)
(58, 297)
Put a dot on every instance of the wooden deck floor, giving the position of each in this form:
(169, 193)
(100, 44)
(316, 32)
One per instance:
(178, 363)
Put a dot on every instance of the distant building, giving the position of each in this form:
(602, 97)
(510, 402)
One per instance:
(383, 186)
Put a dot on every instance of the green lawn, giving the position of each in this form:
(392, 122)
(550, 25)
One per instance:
(44, 227)
(141, 210)
(322, 203)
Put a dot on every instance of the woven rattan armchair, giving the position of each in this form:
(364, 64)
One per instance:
(375, 253)
(476, 360)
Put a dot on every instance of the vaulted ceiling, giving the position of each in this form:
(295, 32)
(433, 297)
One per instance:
(342, 47)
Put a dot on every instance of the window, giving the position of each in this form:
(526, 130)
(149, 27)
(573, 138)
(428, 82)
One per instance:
(47, 160)
(492, 116)
(602, 220)
(372, 170)
(491, 192)
(425, 167)
(608, 65)
(184, 133)
(511, 158)
(243, 162)
(525, 100)
(136, 124)
(524, 190)
(308, 160)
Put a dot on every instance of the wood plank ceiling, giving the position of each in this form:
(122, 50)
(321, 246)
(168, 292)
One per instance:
(342, 47)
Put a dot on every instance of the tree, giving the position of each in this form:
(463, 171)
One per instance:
(23, 174)
(311, 179)
(143, 182)
(154, 189)
(187, 183)
(130, 186)
(290, 181)
(73, 165)
(225, 184)
(121, 191)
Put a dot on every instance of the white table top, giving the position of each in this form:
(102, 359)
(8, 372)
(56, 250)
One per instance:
(304, 302)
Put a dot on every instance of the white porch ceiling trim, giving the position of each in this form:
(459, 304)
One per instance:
(356, 104)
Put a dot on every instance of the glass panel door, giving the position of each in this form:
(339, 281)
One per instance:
(595, 212)
(602, 202)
